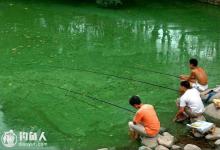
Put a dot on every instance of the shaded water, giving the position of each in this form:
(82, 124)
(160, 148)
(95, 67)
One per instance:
(35, 35)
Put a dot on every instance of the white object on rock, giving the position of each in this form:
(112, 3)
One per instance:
(215, 135)
(176, 147)
(144, 148)
(149, 142)
(201, 126)
(161, 147)
(103, 149)
(166, 140)
(191, 147)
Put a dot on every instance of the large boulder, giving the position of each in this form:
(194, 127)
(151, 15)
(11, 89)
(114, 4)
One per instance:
(208, 97)
(149, 142)
(161, 147)
(212, 114)
(166, 140)
(191, 147)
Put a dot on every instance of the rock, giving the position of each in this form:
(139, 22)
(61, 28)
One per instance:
(214, 136)
(198, 135)
(212, 114)
(217, 144)
(149, 142)
(176, 147)
(166, 140)
(103, 149)
(205, 95)
(144, 148)
(161, 147)
(191, 147)
(216, 96)
(200, 118)
(162, 130)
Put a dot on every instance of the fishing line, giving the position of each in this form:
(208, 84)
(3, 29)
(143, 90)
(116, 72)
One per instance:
(111, 75)
(83, 101)
(81, 94)
(153, 71)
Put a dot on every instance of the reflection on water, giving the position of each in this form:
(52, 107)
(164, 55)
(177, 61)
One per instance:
(169, 40)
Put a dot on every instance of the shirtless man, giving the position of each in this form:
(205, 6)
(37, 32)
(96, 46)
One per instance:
(198, 77)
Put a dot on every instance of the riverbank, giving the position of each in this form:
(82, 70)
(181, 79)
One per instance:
(213, 2)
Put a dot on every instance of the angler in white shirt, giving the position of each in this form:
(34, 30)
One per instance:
(190, 103)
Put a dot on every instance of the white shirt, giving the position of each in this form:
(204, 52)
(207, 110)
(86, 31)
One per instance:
(191, 98)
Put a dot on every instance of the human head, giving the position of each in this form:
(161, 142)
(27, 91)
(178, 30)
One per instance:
(193, 63)
(184, 85)
(135, 101)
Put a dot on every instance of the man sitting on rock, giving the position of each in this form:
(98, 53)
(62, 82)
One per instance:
(190, 104)
(145, 121)
(198, 77)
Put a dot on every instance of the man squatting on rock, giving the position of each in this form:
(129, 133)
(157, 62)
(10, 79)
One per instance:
(190, 104)
(145, 121)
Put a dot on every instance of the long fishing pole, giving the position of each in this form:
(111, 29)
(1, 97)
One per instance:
(82, 101)
(111, 75)
(81, 94)
(153, 71)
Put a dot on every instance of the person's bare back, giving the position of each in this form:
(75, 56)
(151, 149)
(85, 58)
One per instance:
(200, 75)
(197, 78)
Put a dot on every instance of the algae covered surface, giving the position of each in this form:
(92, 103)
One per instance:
(50, 48)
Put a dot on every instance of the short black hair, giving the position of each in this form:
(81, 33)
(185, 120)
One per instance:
(185, 84)
(193, 62)
(135, 100)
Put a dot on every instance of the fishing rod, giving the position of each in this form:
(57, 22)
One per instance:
(81, 94)
(66, 94)
(153, 71)
(82, 101)
(111, 75)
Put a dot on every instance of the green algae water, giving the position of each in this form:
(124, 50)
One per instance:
(45, 41)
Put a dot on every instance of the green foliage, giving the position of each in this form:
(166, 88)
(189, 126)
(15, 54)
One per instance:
(109, 3)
